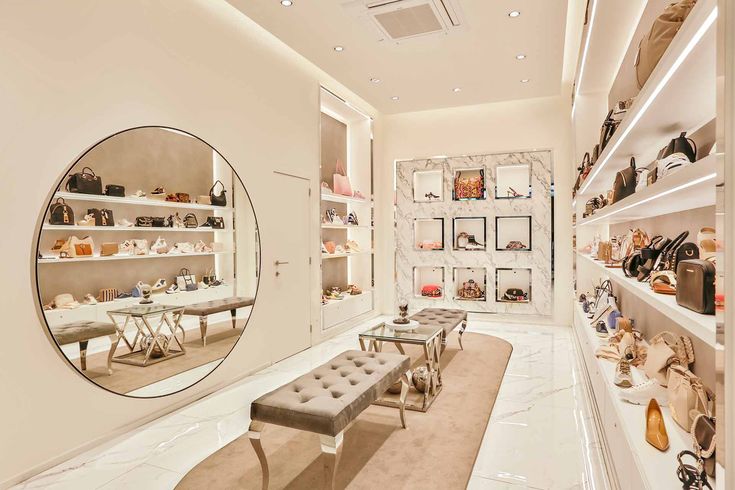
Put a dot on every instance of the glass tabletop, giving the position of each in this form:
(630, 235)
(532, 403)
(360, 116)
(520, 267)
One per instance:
(421, 334)
(145, 310)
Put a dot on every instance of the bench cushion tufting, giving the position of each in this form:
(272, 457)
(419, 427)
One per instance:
(446, 318)
(81, 331)
(218, 305)
(331, 396)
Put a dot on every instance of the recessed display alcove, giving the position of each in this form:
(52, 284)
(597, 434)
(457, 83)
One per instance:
(428, 282)
(513, 181)
(513, 285)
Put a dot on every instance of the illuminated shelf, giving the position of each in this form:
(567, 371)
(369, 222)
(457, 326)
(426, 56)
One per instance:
(132, 229)
(346, 227)
(678, 96)
(701, 326)
(346, 299)
(349, 254)
(689, 188)
(344, 199)
(140, 201)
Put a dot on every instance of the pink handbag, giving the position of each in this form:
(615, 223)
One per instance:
(341, 181)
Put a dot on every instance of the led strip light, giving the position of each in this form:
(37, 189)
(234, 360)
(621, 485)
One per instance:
(639, 114)
(584, 56)
(649, 199)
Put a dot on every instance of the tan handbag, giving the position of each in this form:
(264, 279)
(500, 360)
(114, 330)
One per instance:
(83, 247)
(658, 359)
(204, 200)
(687, 396)
(107, 294)
(109, 248)
(653, 46)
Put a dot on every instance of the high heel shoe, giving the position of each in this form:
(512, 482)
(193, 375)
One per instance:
(430, 196)
(656, 434)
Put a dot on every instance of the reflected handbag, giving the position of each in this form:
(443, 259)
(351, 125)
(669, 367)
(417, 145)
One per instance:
(696, 285)
(60, 213)
(83, 247)
(215, 222)
(340, 181)
(186, 281)
(84, 182)
(469, 187)
(144, 221)
(218, 199)
(625, 182)
(107, 294)
(109, 248)
(687, 396)
(190, 221)
(470, 290)
(160, 222)
(609, 126)
(183, 197)
(114, 190)
(102, 217)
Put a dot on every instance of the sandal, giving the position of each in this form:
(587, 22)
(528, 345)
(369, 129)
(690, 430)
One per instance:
(650, 255)
(353, 290)
(663, 282)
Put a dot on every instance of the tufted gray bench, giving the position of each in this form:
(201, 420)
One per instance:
(446, 318)
(206, 308)
(82, 332)
(327, 400)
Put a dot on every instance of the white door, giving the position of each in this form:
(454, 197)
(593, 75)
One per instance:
(293, 271)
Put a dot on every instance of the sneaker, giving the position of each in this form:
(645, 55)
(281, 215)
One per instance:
(174, 288)
(352, 246)
(358, 195)
(202, 247)
(124, 223)
(203, 285)
(601, 329)
(339, 249)
(158, 193)
(182, 248)
(127, 248)
(642, 393)
(159, 246)
(623, 377)
(352, 219)
(138, 193)
(337, 220)
(89, 299)
(160, 284)
(430, 196)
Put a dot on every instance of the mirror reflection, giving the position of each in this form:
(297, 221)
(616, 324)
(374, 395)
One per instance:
(148, 262)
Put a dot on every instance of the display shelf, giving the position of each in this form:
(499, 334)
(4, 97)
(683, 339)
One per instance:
(701, 326)
(345, 199)
(134, 229)
(346, 227)
(657, 469)
(97, 258)
(333, 303)
(140, 201)
(690, 188)
(678, 96)
(347, 254)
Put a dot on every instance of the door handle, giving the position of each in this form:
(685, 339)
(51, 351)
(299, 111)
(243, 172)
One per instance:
(278, 262)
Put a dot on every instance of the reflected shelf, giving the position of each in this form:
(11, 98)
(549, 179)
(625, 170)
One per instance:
(346, 227)
(345, 199)
(348, 254)
(134, 229)
(98, 258)
(140, 201)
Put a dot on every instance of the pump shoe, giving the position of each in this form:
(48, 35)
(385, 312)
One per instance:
(656, 434)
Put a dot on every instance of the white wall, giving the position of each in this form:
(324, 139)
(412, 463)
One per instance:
(517, 125)
(77, 71)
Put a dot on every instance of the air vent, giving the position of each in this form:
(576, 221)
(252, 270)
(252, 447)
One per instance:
(398, 20)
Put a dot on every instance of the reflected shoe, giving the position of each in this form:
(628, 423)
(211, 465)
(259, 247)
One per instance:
(352, 219)
(89, 300)
(339, 249)
(159, 246)
(138, 193)
(656, 434)
(123, 295)
(159, 285)
(127, 248)
(202, 247)
(623, 377)
(172, 289)
(352, 246)
(358, 195)
(642, 393)
(124, 223)
(326, 189)
(203, 285)
(601, 329)
(472, 244)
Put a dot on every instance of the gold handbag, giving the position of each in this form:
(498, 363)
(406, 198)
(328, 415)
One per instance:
(687, 396)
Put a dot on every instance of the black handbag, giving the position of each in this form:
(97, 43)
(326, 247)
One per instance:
(218, 199)
(144, 221)
(215, 222)
(687, 251)
(608, 129)
(84, 182)
(695, 285)
(160, 222)
(60, 213)
(682, 144)
(113, 190)
(102, 217)
(190, 221)
(631, 264)
(668, 255)
(625, 182)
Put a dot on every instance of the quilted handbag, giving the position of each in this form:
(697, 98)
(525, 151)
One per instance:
(60, 213)
(218, 199)
(340, 180)
(469, 187)
(84, 182)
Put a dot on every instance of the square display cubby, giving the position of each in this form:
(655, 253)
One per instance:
(469, 184)
(513, 285)
(428, 234)
(513, 181)
(428, 185)
(428, 282)
(470, 283)
(513, 233)
(469, 234)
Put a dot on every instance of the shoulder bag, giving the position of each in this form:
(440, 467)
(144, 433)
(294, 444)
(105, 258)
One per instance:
(687, 396)
(84, 182)
(625, 182)
(696, 285)
(186, 280)
(113, 190)
(218, 199)
(60, 213)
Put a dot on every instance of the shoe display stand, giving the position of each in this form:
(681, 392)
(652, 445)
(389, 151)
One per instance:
(346, 136)
(516, 194)
(678, 96)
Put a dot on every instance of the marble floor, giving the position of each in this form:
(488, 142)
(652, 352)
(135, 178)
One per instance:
(540, 436)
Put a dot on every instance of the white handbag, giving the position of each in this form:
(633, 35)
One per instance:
(140, 247)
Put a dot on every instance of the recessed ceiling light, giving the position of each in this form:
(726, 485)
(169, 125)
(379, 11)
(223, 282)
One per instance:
(286, 3)
(339, 49)
(375, 80)
(525, 80)
(514, 14)
(521, 56)
(395, 97)
(457, 89)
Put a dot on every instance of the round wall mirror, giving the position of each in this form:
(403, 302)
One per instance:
(148, 262)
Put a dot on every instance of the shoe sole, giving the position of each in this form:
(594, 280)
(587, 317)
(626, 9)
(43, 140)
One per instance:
(624, 384)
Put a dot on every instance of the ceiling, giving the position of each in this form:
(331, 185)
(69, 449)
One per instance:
(479, 57)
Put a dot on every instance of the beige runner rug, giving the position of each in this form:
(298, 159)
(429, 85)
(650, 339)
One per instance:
(437, 451)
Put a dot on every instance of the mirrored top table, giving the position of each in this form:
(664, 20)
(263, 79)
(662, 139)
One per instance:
(155, 333)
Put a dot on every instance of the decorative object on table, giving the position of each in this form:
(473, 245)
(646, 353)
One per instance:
(402, 314)
(470, 290)
(147, 340)
(420, 378)
(696, 285)
(654, 44)
(145, 291)
(84, 182)
(469, 187)
(215, 198)
(60, 213)
(340, 180)
(431, 291)
(113, 190)
(190, 221)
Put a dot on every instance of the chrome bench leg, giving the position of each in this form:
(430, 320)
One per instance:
(83, 354)
(203, 329)
(461, 331)
(256, 428)
(332, 449)
(233, 313)
(404, 393)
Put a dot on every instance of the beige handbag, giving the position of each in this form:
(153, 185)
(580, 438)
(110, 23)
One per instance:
(65, 301)
(687, 396)
(140, 247)
(77, 247)
(109, 248)
(658, 359)
(204, 200)
(653, 46)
